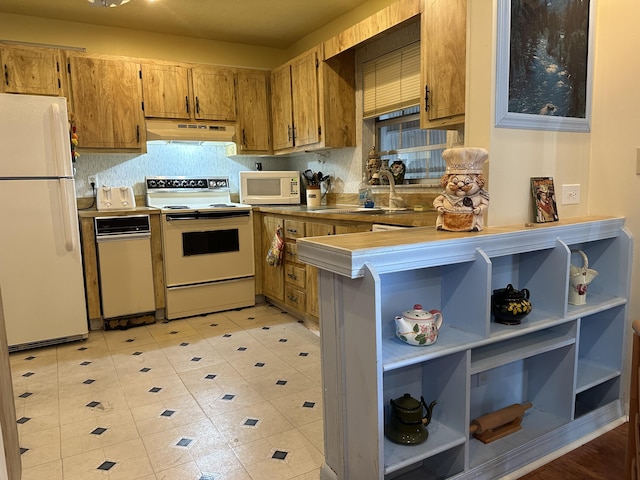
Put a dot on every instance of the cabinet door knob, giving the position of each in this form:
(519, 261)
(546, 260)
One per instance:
(186, 102)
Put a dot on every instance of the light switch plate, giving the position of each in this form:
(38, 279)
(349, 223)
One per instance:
(570, 194)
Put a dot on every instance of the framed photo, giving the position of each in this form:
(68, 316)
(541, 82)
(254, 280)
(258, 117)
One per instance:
(544, 200)
(544, 64)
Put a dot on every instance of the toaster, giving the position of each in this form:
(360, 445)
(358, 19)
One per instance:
(115, 198)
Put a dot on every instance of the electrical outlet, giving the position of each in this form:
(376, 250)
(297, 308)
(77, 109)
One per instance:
(92, 180)
(570, 194)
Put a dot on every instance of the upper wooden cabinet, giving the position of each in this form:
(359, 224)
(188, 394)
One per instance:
(443, 46)
(254, 132)
(313, 102)
(106, 102)
(294, 104)
(31, 70)
(188, 92)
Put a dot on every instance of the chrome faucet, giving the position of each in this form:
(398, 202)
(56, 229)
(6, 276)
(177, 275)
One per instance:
(395, 202)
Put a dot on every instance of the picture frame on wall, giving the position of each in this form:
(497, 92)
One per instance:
(544, 64)
(544, 200)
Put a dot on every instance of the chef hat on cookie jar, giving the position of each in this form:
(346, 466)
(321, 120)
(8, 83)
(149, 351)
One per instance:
(464, 159)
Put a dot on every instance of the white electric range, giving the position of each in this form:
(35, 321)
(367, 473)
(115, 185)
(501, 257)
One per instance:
(207, 244)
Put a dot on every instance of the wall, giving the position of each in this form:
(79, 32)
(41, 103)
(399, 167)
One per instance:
(603, 161)
(170, 159)
(615, 134)
(120, 41)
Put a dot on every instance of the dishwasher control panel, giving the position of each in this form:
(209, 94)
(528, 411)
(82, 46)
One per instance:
(122, 225)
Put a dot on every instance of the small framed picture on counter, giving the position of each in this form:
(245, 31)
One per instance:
(544, 200)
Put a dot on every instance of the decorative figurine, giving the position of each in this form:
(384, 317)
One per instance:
(373, 165)
(579, 280)
(398, 169)
(462, 204)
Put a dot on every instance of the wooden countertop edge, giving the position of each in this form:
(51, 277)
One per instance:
(423, 247)
(93, 212)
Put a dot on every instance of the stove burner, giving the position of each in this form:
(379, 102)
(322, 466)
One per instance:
(176, 207)
(219, 205)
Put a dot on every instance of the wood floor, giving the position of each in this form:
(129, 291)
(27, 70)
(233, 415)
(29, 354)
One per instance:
(600, 459)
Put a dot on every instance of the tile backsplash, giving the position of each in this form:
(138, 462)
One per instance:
(126, 169)
(129, 170)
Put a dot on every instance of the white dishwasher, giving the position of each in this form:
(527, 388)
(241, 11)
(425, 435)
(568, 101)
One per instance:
(124, 262)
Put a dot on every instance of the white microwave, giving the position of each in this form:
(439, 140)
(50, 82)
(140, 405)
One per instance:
(270, 187)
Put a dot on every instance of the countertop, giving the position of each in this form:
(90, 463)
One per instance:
(408, 218)
(94, 212)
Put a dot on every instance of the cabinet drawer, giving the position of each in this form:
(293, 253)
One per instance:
(295, 298)
(293, 229)
(291, 252)
(296, 275)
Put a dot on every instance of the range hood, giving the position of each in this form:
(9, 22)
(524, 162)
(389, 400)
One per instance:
(174, 131)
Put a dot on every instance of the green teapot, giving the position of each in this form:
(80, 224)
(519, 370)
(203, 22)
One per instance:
(406, 425)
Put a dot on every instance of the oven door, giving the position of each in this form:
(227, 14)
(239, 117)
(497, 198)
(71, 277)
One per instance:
(207, 246)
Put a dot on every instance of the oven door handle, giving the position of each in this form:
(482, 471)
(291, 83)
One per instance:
(206, 215)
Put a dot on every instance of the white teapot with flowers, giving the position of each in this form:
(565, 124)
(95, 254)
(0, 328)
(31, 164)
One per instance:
(418, 327)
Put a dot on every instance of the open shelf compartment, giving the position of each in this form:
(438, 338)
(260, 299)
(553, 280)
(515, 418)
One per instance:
(440, 380)
(544, 379)
(544, 274)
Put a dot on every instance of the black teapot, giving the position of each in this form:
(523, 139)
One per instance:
(406, 424)
(509, 306)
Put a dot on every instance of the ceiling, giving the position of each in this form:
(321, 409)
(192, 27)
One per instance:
(270, 23)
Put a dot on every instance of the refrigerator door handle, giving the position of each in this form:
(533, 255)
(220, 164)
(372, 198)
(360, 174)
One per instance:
(59, 144)
(69, 241)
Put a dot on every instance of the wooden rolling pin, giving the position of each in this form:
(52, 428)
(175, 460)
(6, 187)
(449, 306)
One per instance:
(495, 425)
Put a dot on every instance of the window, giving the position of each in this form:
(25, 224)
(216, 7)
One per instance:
(399, 137)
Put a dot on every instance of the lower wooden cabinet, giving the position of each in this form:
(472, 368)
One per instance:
(294, 284)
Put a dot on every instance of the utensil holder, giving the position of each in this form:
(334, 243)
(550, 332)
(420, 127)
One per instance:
(313, 196)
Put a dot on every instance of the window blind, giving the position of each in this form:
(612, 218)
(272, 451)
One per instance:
(392, 81)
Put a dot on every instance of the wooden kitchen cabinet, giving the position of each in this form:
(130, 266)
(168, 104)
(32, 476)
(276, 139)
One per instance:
(294, 284)
(106, 102)
(567, 360)
(254, 128)
(165, 91)
(295, 295)
(272, 276)
(443, 68)
(188, 92)
(314, 229)
(313, 102)
(32, 70)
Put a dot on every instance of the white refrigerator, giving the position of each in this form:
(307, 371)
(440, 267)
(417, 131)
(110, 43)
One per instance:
(40, 262)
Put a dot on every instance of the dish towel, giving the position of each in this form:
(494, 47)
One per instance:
(274, 255)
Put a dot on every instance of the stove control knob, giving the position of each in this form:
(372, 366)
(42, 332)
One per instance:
(160, 183)
(201, 183)
(152, 183)
(192, 183)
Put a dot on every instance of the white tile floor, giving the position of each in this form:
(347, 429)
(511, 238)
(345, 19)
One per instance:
(231, 396)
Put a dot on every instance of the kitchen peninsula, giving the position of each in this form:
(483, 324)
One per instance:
(565, 359)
